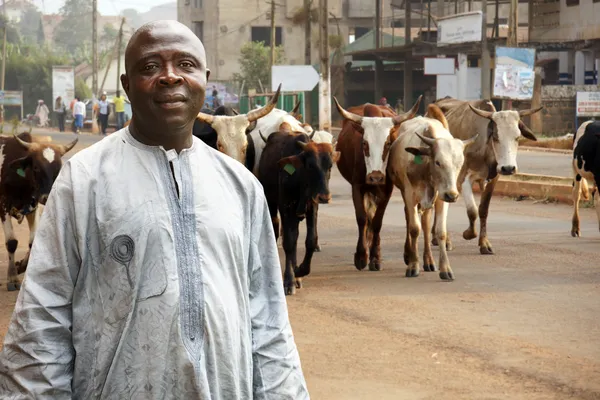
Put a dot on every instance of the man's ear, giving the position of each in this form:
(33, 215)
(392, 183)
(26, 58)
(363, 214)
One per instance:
(125, 83)
(20, 165)
(419, 151)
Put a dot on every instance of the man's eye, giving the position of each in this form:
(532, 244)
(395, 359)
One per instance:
(149, 67)
(187, 64)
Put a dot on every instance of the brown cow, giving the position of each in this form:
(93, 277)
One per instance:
(368, 132)
(494, 153)
(28, 170)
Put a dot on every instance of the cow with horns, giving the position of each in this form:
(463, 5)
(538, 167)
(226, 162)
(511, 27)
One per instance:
(295, 172)
(231, 131)
(28, 171)
(368, 132)
(494, 153)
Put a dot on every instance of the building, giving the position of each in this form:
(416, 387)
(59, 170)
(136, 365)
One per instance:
(16, 8)
(51, 21)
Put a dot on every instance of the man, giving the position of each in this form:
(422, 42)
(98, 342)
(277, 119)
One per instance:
(119, 109)
(78, 114)
(154, 273)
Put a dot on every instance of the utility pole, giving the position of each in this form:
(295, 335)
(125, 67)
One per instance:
(512, 39)
(324, 81)
(307, 59)
(378, 62)
(272, 33)
(95, 47)
(485, 54)
(408, 87)
(116, 49)
(3, 61)
(119, 54)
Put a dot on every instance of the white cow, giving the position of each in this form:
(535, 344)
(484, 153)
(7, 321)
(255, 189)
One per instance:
(426, 176)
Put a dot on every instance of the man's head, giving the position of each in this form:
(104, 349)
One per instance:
(165, 76)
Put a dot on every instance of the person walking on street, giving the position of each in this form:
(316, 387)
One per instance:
(78, 114)
(154, 273)
(119, 102)
(103, 112)
(60, 108)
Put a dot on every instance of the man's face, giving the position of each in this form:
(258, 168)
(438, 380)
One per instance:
(166, 76)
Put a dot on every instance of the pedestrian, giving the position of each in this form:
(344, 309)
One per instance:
(119, 102)
(78, 114)
(154, 272)
(103, 112)
(60, 108)
(383, 102)
(72, 108)
(42, 113)
(216, 103)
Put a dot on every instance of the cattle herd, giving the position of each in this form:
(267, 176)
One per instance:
(432, 159)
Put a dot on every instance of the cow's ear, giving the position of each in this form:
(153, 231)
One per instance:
(492, 131)
(294, 161)
(335, 156)
(20, 165)
(526, 132)
(251, 127)
(419, 151)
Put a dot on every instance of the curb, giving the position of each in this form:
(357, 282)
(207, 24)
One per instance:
(539, 187)
(545, 150)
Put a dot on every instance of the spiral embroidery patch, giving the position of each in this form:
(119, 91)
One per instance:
(122, 250)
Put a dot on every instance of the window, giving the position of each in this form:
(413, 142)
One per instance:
(571, 3)
(197, 3)
(359, 31)
(198, 28)
(263, 34)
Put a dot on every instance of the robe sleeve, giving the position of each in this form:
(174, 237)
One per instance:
(37, 357)
(277, 373)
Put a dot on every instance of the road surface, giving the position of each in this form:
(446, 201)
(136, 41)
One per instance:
(519, 325)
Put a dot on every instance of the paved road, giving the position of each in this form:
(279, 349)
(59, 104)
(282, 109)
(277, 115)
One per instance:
(522, 324)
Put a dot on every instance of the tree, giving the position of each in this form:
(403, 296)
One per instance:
(30, 26)
(74, 33)
(255, 64)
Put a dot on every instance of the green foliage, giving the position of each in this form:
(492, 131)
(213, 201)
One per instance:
(30, 26)
(74, 33)
(255, 64)
(82, 89)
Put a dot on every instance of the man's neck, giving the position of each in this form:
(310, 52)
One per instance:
(177, 140)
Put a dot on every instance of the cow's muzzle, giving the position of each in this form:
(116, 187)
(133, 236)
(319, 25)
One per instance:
(450, 197)
(508, 170)
(376, 178)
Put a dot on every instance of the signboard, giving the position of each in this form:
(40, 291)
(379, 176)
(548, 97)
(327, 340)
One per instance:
(294, 78)
(460, 28)
(514, 73)
(439, 66)
(63, 84)
(587, 104)
(11, 98)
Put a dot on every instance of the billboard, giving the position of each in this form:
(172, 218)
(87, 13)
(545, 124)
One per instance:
(63, 84)
(588, 104)
(11, 98)
(514, 73)
(460, 28)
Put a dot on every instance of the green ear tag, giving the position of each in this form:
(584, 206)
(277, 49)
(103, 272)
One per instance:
(21, 172)
(418, 159)
(289, 168)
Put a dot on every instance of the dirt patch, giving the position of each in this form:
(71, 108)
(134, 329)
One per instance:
(561, 143)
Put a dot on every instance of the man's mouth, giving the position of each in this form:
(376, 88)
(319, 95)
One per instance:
(170, 100)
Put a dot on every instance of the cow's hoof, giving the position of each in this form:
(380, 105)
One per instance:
(412, 272)
(575, 233)
(446, 275)
(299, 283)
(359, 263)
(405, 259)
(374, 266)
(486, 250)
(318, 248)
(290, 290)
(469, 234)
(434, 241)
(429, 267)
(12, 286)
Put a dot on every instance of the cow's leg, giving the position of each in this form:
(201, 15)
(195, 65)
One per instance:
(597, 201)
(272, 197)
(32, 220)
(317, 245)
(407, 241)
(575, 232)
(413, 224)
(428, 262)
(311, 241)
(11, 242)
(290, 240)
(467, 192)
(360, 257)
(376, 223)
(441, 209)
(434, 240)
(484, 244)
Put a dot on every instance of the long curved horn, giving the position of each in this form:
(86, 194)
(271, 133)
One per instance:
(312, 135)
(469, 142)
(261, 136)
(302, 145)
(481, 113)
(261, 112)
(347, 115)
(428, 141)
(208, 118)
(22, 143)
(295, 109)
(66, 148)
(398, 119)
(524, 113)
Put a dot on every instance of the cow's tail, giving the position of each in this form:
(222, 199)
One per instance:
(585, 190)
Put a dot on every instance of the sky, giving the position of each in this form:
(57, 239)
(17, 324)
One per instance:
(105, 7)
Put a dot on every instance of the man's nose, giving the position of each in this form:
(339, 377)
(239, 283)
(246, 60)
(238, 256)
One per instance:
(170, 77)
